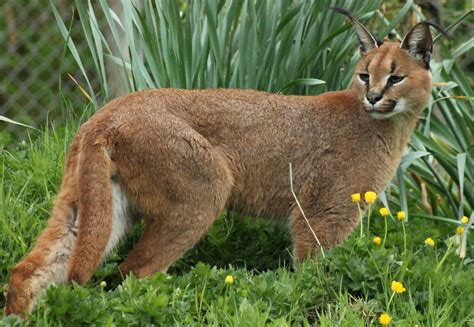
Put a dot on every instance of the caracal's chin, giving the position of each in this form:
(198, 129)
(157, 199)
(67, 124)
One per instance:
(386, 109)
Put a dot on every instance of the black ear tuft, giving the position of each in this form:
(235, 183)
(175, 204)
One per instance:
(419, 43)
(343, 11)
(367, 40)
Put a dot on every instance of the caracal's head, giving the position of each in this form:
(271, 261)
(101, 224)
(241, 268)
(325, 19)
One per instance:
(393, 78)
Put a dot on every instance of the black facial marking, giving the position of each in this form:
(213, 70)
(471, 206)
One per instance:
(392, 67)
(368, 64)
(388, 106)
(367, 84)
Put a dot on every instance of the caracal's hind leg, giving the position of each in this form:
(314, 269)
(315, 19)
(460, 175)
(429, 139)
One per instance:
(181, 185)
(48, 261)
(167, 237)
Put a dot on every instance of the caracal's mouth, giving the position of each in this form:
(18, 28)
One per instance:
(385, 108)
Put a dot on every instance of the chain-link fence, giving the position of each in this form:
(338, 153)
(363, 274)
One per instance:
(34, 65)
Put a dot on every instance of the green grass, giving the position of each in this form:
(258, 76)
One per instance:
(351, 286)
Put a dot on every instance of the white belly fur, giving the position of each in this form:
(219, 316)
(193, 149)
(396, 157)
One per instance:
(121, 217)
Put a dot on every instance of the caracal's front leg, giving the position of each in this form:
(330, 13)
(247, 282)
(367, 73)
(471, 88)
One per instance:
(330, 214)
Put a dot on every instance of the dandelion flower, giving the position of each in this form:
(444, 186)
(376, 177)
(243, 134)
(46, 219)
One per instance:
(355, 197)
(385, 319)
(377, 240)
(464, 220)
(460, 230)
(401, 215)
(370, 197)
(384, 212)
(229, 279)
(430, 242)
(103, 284)
(398, 287)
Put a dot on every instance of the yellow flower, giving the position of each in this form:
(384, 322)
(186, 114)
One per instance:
(103, 284)
(430, 242)
(464, 220)
(459, 230)
(401, 215)
(397, 287)
(385, 319)
(229, 279)
(377, 240)
(384, 212)
(355, 197)
(370, 197)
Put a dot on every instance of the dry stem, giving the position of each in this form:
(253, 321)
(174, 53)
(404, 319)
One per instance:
(302, 212)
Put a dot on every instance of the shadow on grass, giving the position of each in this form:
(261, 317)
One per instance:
(234, 240)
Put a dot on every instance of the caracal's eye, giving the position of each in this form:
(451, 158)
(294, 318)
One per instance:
(364, 78)
(394, 79)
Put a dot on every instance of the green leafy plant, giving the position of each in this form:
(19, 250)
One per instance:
(265, 45)
(436, 176)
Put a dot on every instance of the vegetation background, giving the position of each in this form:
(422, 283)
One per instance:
(294, 47)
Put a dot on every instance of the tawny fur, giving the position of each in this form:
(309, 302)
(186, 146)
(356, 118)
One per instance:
(179, 157)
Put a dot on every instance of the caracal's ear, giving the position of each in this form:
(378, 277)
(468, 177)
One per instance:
(418, 42)
(367, 40)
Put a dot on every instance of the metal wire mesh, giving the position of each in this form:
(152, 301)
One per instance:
(34, 65)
